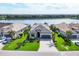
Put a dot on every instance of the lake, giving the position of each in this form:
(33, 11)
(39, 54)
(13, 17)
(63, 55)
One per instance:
(49, 21)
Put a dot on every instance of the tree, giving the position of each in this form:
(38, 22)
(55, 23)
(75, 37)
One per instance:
(26, 30)
(53, 28)
(68, 33)
(46, 23)
(12, 34)
(67, 40)
(53, 35)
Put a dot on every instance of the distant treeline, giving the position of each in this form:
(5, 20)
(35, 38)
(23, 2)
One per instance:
(10, 16)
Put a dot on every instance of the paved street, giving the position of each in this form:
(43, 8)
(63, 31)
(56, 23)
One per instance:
(28, 53)
(34, 53)
(70, 53)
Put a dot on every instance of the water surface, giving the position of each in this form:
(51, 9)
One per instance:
(49, 21)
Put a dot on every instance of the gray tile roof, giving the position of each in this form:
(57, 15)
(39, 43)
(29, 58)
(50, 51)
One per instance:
(4, 24)
(44, 25)
(68, 27)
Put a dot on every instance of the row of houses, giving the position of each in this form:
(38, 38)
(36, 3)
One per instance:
(73, 27)
(41, 31)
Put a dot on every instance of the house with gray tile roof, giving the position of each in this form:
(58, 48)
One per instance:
(2, 29)
(41, 31)
(17, 28)
(73, 27)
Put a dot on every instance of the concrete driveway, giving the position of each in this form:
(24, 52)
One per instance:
(44, 47)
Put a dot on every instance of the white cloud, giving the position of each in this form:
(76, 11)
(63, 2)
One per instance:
(41, 8)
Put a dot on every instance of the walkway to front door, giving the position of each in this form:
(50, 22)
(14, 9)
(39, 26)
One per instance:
(44, 47)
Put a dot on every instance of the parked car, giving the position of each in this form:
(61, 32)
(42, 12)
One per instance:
(77, 43)
(5, 39)
(4, 42)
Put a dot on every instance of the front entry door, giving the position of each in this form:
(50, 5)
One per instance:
(38, 34)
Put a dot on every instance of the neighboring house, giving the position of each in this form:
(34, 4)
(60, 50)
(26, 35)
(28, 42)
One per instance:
(74, 28)
(63, 27)
(4, 28)
(17, 28)
(41, 31)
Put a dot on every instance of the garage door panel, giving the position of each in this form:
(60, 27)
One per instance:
(46, 36)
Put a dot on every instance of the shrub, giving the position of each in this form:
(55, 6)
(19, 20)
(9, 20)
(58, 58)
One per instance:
(37, 40)
(31, 40)
(62, 36)
(18, 45)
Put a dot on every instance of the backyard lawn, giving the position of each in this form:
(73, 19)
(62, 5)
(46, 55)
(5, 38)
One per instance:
(24, 46)
(62, 47)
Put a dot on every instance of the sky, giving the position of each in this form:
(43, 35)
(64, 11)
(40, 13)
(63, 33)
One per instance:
(39, 8)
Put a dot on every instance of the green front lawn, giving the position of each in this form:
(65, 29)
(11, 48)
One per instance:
(19, 44)
(13, 45)
(34, 46)
(62, 47)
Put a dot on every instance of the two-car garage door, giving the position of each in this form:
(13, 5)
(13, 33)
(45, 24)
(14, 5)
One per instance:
(46, 36)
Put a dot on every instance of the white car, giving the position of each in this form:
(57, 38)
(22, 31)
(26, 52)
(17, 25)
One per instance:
(3, 40)
(77, 43)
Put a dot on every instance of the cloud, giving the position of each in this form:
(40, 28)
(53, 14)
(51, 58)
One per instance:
(40, 8)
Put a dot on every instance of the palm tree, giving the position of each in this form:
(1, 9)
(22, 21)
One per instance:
(52, 27)
(12, 34)
(53, 35)
(26, 31)
(67, 40)
(68, 33)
